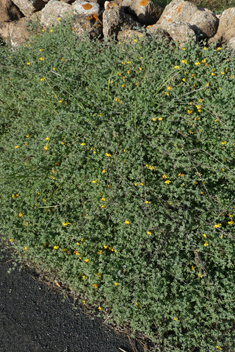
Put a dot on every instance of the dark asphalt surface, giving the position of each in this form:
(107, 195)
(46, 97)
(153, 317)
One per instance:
(33, 317)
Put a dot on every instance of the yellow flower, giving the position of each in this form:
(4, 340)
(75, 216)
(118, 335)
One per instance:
(164, 176)
(142, 184)
(204, 235)
(11, 239)
(123, 85)
(200, 275)
(86, 260)
(25, 248)
(42, 79)
(105, 246)
(184, 61)
(127, 222)
(218, 225)
(149, 233)
(60, 101)
(28, 63)
(13, 196)
(206, 244)
(51, 30)
(17, 146)
(83, 144)
(189, 111)
(58, 19)
(99, 308)
(230, 222)
(177, 67)
(41, 58)
(17, 195)
(197, 63)
(168, 181)
(20, 214)
(166, 93)
(147, 202)
(160, 118)
(103, 171)
(193, 267)
(183, 79)
(222, 73)
(94, 181)
(56, 247)
(169, 88)
(53, 69)
(47, 138)
(140, 68)
(46, 147)
(175, 319)
(207, 84)
(66, 223)
(107, 154)
(154, 118)
(223, 142)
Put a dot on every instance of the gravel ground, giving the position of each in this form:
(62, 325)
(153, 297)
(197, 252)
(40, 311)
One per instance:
(33, 317)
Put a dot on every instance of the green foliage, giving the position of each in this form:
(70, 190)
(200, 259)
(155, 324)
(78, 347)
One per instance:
(117, 171)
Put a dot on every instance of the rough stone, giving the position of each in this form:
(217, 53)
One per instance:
(9, 11)
(53, 10)
(226, 29)
(28, 7)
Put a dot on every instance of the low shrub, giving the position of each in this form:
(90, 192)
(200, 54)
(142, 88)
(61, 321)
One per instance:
(117, 170)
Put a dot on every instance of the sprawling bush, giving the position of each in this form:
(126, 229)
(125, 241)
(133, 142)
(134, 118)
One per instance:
(117, 171)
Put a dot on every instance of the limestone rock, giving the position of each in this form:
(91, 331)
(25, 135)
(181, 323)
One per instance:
(86, 8)
(226, 28)
(9, 11)
(205, 21)
(115, 20)
(54, 9)
(146, 11)
(17, 32)
(28, 7)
